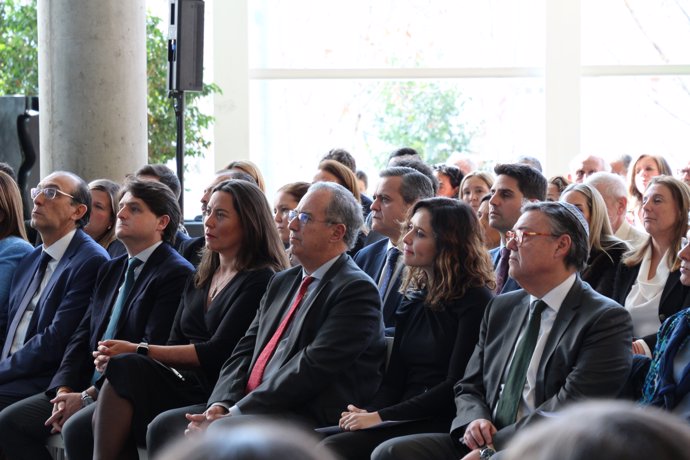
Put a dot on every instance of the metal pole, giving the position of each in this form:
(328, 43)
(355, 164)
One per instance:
(179, 105)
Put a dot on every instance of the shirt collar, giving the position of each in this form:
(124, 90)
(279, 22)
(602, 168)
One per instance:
(57, 249)
(146, 253)
(554, 298)
(319, 273)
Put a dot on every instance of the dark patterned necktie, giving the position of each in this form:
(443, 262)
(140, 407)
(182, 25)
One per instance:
(389, 270)
(502, 269)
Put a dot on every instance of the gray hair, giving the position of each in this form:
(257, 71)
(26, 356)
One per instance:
(342, 208)
(566, 219)
(612, 185)
(414, 185)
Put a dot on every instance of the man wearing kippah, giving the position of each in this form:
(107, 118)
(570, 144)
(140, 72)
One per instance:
(553, 342)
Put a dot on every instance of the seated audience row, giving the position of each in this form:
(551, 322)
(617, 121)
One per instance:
(314, 352)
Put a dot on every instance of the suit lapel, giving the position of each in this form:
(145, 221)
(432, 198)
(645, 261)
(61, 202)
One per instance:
(307, 304)
(65, 260)
(510, 335)
(103, 313)
(381, 260)
(671, 282)
(563, 320)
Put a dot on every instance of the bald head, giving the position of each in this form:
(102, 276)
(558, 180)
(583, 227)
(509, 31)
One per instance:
(584, 166)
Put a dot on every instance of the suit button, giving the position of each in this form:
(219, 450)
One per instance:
(662, 317)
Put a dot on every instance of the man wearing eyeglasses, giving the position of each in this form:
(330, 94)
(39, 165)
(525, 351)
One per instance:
(316, 344)
(134, 300)
(50, 289)
(551, 343)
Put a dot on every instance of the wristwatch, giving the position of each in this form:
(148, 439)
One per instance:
(86, 399)
(486, 452)
(143, 349)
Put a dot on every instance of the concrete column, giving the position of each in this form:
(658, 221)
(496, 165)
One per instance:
(92, 87)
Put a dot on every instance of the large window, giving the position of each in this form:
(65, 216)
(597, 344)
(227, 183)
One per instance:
(549, 78)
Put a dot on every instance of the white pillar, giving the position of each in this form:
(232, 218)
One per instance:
(92, 87)
(230, 72)
(562, 84)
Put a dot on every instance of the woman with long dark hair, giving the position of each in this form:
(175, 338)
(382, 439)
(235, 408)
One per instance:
(242, 252)
(448, 282)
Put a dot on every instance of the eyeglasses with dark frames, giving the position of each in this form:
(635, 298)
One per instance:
(48, 192)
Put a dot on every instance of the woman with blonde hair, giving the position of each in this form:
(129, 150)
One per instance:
(448, 282)
(13, 243)
(640, 174)
(104, 207)
(605, 250)
(332, 171)
(648, 279)
(250, 168)
(474, 187)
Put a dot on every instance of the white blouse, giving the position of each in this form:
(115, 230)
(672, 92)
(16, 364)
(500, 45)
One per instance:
(643, 300)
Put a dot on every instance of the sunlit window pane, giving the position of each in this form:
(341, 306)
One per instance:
(295, 122)
(636, 115)
(635, 32)
(388, 33)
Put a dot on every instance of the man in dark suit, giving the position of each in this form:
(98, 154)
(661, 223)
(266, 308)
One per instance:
(398, 189)
(553, 342)
(310, 351)
(47, 301)
(516, 184)
(135, 299)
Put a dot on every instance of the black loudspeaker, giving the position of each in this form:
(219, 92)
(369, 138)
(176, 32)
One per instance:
(186, 45)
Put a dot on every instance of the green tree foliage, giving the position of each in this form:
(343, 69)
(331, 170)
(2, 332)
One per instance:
(161, 116)
(424, 115)
(19, 75)
(18, 48)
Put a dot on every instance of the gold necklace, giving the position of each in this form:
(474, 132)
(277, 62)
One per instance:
(220, 285)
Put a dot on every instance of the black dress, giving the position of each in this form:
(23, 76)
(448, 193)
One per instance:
(430, 352)
(153, 387)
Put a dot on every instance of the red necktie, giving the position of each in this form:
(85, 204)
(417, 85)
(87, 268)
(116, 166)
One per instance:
(260, 365)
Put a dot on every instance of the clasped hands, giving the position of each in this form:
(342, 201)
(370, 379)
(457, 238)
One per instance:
(65, 404)
(357, 419)
(106, 349)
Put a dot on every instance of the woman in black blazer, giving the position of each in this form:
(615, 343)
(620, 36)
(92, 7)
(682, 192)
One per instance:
(448, 282)
(242, 252)
(605, 250)
(648, 280)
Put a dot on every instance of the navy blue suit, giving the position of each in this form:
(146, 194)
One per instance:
(371, 259)
(58, 312)
(148, 315)
(510, 284)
